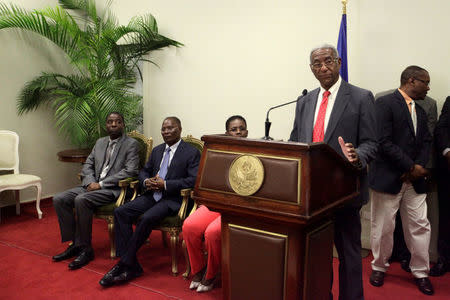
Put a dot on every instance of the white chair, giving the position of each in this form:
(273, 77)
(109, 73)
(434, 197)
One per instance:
(9, 160)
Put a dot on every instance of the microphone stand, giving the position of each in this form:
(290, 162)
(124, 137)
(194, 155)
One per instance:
(268, 123)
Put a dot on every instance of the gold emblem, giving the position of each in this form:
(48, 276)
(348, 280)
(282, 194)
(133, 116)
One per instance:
(246, 175)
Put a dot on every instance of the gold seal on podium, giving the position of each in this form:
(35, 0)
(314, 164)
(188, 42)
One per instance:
(246, 175)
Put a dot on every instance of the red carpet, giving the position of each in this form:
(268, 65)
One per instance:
(27, 272)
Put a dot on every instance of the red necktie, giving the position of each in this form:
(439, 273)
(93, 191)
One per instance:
(318, 131)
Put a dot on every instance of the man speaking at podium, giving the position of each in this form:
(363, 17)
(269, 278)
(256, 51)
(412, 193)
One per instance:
(343, 116)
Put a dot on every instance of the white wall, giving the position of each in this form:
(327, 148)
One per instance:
(395, 34)
(245, 56)
(240, 57)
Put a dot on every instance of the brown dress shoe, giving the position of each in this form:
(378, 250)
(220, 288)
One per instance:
(424, 285)
(377, 278)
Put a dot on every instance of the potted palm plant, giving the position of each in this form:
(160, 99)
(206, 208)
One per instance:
(105, 57)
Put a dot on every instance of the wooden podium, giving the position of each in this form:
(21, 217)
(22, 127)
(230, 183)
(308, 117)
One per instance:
(276, 241)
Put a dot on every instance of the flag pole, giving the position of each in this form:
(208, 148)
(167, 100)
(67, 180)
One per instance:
(344, 7)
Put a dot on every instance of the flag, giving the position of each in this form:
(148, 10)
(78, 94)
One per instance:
(342, 47)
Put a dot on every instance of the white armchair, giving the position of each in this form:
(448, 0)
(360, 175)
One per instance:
(9, 160)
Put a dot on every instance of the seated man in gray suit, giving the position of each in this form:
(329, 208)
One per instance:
(112, 159)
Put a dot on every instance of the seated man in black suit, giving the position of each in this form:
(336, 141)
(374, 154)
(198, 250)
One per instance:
(112, 159)
(397, 178)
(172, 166)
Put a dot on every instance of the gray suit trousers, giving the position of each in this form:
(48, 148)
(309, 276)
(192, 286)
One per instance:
(75, 209)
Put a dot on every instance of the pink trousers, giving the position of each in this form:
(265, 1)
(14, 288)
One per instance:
(207, 224)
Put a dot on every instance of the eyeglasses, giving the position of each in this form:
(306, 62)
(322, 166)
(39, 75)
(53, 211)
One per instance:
(327, 62)
(427, 83)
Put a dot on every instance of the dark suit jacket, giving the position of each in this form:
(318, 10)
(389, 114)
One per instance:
(181, 174)
(442, 132)
(352, 117)
(429, 105)
(399, 148)
(124, 163)
(442, 141)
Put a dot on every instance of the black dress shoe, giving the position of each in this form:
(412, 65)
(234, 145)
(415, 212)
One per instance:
(377, 278)
(108, 279)
(404, 263)
(424, 285)
(440, 268)
(83, 259)
(127, 275)
(70, 252)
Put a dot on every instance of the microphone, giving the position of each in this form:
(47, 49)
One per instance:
(267, 123)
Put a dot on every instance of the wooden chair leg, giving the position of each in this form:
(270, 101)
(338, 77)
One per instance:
(173, 250)
(111, 238)
(188, 263)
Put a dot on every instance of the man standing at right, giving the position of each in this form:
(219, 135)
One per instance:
(397, 178)
(442, 135)
(400, 252)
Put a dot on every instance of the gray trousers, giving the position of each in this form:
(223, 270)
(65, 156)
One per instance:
(75, 209)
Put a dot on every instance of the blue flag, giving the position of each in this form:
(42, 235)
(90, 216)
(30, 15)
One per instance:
(342, 47)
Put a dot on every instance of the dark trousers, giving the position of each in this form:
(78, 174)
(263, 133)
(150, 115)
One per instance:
(78, 227)
(148, 213)
(444, 212)
(347, 239)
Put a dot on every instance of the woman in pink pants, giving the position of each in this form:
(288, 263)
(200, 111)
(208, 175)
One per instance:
(205, 225)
